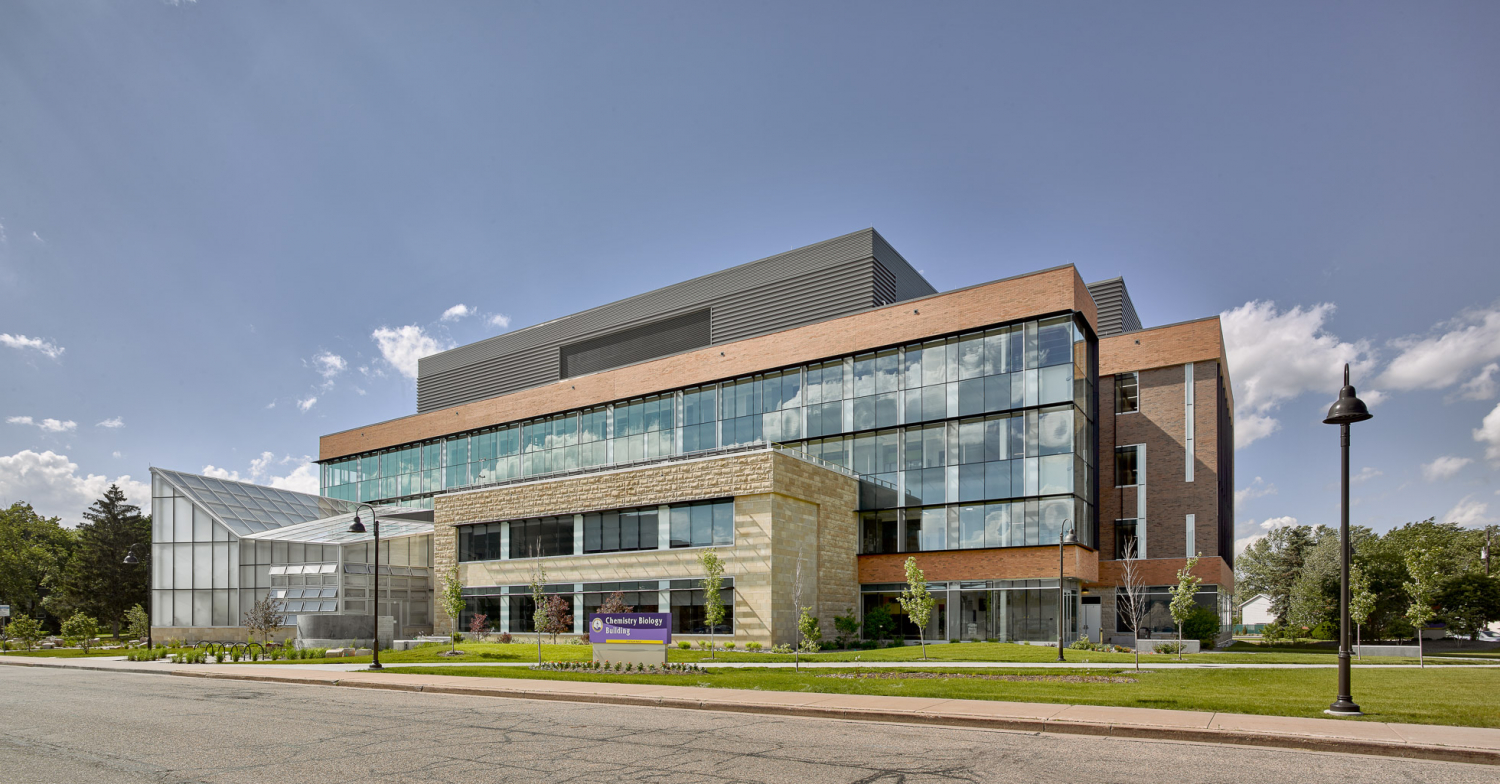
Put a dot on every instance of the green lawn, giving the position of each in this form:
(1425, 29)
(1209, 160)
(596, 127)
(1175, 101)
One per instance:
(1449, 695)
(961, 652)
(64, 653)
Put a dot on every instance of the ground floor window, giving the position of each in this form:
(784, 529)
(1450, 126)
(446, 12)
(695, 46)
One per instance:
(689, 614)
(1003, 610)
(1157, 618)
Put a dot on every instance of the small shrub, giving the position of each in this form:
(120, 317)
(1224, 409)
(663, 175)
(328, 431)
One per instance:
(579, 641)
(782, 648)
(899, 642)
(1083, 644)
(1326, 630)
(753, 646)
(1168, 647)
(728, 646)
(504, 638)
(869, 645)
(683, 645)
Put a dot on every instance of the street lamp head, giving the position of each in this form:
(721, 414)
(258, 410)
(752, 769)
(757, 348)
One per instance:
(356, 527)
(1348, 409)
(130, 559)
(1070, 537)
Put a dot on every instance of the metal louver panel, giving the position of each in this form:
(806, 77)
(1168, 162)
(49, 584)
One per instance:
(637, 344)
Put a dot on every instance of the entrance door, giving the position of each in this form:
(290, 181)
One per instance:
(1091, 622)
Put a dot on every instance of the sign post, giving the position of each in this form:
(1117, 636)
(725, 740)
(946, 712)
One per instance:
(634, 638)
(4, 613)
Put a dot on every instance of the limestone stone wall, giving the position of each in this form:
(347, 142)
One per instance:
(783, 506)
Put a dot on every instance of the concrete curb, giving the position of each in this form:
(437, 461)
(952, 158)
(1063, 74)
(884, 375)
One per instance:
(1009, 724)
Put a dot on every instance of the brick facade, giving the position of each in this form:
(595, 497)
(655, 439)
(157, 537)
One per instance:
(1008, 563)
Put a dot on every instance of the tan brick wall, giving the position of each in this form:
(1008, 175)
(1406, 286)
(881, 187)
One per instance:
(1009, 563)
(783, 507)
(1055, 290)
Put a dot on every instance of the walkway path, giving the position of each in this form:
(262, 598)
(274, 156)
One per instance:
(1459, 744)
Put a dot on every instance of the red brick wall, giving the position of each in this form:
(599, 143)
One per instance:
(1009, 563)
(1050, 291)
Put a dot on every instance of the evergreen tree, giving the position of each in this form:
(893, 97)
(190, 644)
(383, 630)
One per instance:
(1271, 566)
(97, 581)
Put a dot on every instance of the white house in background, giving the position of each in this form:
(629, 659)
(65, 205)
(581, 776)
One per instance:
(1256, 611)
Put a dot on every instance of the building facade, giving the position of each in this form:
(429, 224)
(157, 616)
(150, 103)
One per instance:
(816, 418)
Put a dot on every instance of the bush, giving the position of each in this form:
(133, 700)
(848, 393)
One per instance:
(898, 642)
(728, 646)
(1168, 647)
(1327, 630)
(504, 638)
(1083, 644)
(869, 645)
(879, 624)
(1202, 624)
(753, 646)
(782, 648)
(683, 645)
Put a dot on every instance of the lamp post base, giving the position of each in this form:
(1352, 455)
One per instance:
(1344, 707)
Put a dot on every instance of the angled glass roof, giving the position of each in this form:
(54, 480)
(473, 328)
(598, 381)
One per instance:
(395, 521)
(248, 509)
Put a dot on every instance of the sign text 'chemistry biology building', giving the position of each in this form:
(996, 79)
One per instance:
(631, 637)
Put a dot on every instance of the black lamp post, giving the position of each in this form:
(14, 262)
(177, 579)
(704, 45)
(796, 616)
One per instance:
(358, 527)
(1345, 412)
(1067, 537)
(131, 560)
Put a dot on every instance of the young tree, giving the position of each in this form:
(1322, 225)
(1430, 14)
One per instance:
(476, 625)
(713, 583)
(1422, 565)
(1469, 602)
(1130, 602)
(811, 632)
(847, 626)
(537, 577)
(137, 623)
(615, 604)
(1182, 598)
(80, 630)
(559, 618)
(916, 601)
(451, 599)
(26, 629)
(797, 603)
(97, 580)
(265, 617)
(1361, 604)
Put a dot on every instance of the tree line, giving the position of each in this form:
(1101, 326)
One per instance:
(49, 572)
(1423, 570)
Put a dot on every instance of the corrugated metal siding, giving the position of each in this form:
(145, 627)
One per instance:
(830, 279)
(637, 344)
(1116, 312)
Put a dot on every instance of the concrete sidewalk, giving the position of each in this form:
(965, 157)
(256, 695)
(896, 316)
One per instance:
(1419, 741)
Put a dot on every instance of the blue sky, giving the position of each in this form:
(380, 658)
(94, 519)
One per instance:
(230, 228)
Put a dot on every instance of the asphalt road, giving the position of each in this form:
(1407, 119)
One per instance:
(78, 727)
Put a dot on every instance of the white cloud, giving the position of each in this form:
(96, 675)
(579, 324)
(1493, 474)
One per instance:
(500, 320)
(303, 477)
(1257, 489)
(1244, 542)
(52, 350)
(1275, 356)
(329, 365)
(403, 346)
(3, 238)
(1441, 358)
(38, 238)
(1469, 511)
(457, 312)
(270, 405)
(47, 425)
(116, 453)
(1445, 467)
(53, 486)
(112, 423)
(1488, 433)
(1366, 474)
(307, 402)
(1482, 386)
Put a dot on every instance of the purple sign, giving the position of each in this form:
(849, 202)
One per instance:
(630, 627)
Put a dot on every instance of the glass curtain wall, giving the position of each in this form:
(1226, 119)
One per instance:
(405, 579)
(196, 576)
(994, 610)
(992, 415)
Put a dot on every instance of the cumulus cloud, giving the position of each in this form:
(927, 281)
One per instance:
(47, 425)
(457, 312)
(53, 485)
(1488, 433)
(1445, 467)
(403, 346)
(1469, 511)
(328, 364)
(1257, 489)
(1366, 474)
(268, 469)
(1275, 356)
(23, 343)
(500, 320)
(307, 402)
(1482, 386)
(1244, 542)
(1442, 357)
(112, 423)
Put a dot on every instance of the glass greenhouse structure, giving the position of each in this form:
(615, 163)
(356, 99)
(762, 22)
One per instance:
(218, 546)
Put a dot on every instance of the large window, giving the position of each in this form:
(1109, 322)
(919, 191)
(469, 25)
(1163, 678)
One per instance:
(1127, 393)
(619, 530)
(540, 537)
(480, 542)
(1126, 542)
(702, 524)
(1127, 460)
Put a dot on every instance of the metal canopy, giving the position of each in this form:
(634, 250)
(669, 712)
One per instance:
(395, 522)
(247, 509)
